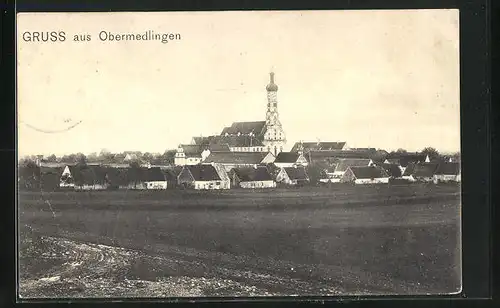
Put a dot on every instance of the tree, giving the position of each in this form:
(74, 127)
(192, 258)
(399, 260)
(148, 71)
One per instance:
(52, 158)
(81, 159)
(400, 150)
(431, 152)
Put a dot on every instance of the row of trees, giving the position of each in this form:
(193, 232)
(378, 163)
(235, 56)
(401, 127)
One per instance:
(105, 157)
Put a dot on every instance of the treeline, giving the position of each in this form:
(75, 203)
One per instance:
(105, 157)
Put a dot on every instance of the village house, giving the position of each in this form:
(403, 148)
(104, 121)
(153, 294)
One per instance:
(403, 159)
(293, 176)
(290, 159)
(230, 160)
(447, 172)
(257, 177)
(344, 163)
(365, 175)
(420, 172)
(89, 178)
(201, 177)
(393, 170)
(328, 174)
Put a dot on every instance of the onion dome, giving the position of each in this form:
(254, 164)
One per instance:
(272, 86)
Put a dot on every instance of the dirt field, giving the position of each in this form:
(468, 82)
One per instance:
(307, 241)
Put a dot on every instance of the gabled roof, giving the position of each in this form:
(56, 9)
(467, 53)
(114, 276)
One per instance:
(409, 169)
(245, 128)
(345, 163)
(318, 146)
(425, 169)
(392, 169)
(191, 149)
(448, 169)
(252, 158)
(252, 174)
(368, 172)
(287, 157)
(203, 172)
(152, 174)
(296, 173)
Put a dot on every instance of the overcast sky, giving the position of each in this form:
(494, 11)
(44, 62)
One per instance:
(384, 79)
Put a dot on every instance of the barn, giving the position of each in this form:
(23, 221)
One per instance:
(365, 175)
(257, 177)
(201, 177)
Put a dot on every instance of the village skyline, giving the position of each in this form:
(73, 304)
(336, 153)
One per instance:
(386, 79)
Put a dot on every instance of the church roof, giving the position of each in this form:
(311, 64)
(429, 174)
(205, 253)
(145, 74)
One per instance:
(220, 143)
(245, 128)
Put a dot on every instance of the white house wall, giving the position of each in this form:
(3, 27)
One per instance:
(258, 184)
(372, 181)
(156, 185)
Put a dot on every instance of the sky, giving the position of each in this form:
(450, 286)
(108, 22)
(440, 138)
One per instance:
(383, 79)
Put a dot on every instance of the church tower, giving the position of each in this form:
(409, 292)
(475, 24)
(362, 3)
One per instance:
(274, 137)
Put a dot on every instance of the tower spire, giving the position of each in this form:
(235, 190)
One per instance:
(271, 87)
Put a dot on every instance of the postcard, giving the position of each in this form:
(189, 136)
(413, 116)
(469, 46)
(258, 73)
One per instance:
(238, 154)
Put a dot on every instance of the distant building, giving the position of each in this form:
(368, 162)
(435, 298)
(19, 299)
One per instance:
(365, 175)
(345, 163)
(230, 160)
(257, 177)
(447, 172)
(403, 159)
(201, 177)
(421, 172)
(190, 154)
(293, 176)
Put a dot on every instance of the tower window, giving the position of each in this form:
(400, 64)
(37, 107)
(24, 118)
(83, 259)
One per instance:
(275, 104)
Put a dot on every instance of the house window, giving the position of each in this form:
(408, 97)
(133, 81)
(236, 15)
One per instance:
(217, 183)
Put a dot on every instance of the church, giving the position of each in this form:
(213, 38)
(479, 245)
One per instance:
(258, 136)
